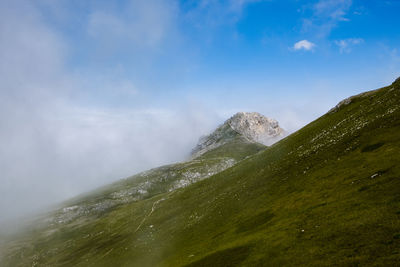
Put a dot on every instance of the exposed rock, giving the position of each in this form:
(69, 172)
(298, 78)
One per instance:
(342, 103)
(255, 127)
(350, 99)
(252, 126)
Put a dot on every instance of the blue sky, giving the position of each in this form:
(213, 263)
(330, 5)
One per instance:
(92, 91)
(169, 51)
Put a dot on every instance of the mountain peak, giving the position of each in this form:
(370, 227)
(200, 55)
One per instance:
(250, 126)
(255, 127)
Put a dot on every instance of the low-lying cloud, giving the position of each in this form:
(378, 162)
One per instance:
(53, 153)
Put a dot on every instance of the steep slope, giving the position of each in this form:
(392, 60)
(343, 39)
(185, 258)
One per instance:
(328, 194)
(156, 181)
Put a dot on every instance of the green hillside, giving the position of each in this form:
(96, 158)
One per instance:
(329, 194)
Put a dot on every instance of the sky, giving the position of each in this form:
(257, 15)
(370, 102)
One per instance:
(94, 91)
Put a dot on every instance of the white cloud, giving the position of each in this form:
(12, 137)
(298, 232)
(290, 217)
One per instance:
(304, 45)
(346, 45)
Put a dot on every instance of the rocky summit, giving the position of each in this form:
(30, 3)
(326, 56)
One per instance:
(256, 127)
(251, 126)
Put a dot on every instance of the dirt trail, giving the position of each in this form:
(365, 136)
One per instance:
(153, 208)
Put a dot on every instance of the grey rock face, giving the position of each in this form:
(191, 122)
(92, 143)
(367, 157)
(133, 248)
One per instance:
(255, 127)
(252, 126)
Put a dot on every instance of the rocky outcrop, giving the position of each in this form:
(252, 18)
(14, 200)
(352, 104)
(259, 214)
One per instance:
(251, 126)
(342, 103)
(255, 127)
(349, 100)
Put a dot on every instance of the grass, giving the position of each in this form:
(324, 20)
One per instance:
(328, 195)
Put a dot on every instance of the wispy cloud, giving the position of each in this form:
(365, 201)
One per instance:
(217, 12)
(142, 22)
(345, 45)
(326, 15)
(304, 45)
(334, 9)
(238, 5)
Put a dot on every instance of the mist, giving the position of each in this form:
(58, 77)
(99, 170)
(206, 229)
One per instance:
(52, 154)
(53, 146)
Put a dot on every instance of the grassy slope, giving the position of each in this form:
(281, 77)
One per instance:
(328, 194)
(164, 177)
